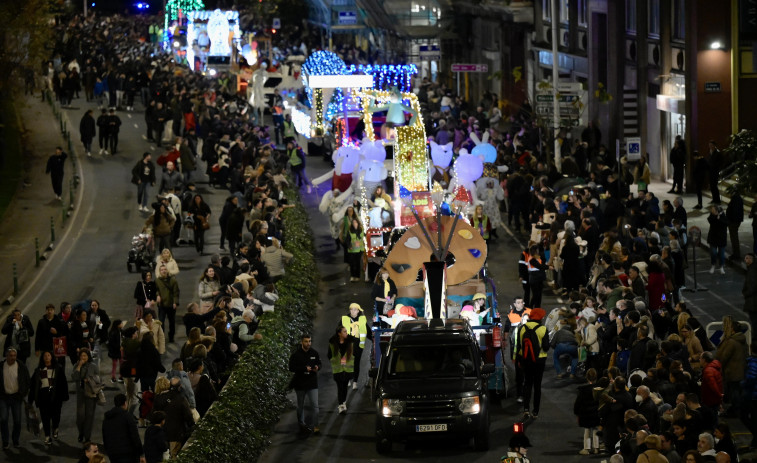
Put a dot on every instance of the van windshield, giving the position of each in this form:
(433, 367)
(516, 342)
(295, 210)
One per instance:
(413, 361)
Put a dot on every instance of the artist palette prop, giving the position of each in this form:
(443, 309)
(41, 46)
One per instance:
(412, 250)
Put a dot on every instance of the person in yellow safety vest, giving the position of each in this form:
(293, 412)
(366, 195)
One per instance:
(289, 132)
(480, 222)
(357, 326)
(517, 316)
(296, 159)
(342, 358)
(533, 345)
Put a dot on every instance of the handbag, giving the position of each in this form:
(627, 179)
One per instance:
(101, 398)
(60, 346)
(33, 422)
(582, 354)
(148, 302)
(204, 224)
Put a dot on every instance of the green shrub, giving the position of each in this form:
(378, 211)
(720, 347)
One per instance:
(237, 427)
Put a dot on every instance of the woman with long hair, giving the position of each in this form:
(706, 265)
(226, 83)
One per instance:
(83, 375)
(161, 223)
(200, 212)
(355, 248)
(384, 291)
(145, 292)
(148, 363)
(48, 390)
(114, 350)
(228, 207)
(341, 354)
(209, 288)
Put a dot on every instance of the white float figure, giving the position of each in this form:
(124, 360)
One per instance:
(257, 95)
(218, 31)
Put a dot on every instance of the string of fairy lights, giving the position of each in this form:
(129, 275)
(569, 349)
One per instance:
(386, 76)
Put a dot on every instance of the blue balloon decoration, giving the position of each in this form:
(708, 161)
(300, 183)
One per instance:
(476, 253)
(404, 192)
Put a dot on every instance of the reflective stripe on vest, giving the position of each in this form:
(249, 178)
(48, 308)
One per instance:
(359, 325)
(336, 361)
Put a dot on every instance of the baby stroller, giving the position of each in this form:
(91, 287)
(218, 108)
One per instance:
(141, 254)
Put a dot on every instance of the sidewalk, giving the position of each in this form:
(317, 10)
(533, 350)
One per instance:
(34, 206)
(698, 218)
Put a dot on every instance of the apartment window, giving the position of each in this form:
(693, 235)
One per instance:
(631, 16)
(654, 18)
(582, 13)
(564, 12)
(546, 10)
(679, 19)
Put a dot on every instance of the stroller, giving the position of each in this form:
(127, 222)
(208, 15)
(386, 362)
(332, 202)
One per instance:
(141, 254)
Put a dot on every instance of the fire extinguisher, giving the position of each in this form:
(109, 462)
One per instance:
(497, 336)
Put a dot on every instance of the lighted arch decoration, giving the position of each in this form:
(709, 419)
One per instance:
(410, 158)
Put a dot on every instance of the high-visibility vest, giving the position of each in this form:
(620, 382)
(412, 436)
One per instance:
(481, 227)
(336, 361)
(358, 328)
(515, 322)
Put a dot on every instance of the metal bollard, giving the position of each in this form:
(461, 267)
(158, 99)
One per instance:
(15, 279)
(71, 194)
(62, 213)
(52, 230)
(36, 252)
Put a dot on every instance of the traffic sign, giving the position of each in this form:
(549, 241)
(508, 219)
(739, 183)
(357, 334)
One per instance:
(565, 111)
(569, 87)
(633, 148)
(470, 68)
(347, 18)
(549, 98)
(430, 52)
(276, 23)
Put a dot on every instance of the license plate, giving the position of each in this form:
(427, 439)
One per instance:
(430, 427)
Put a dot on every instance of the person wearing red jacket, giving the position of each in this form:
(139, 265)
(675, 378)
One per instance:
(712, 381)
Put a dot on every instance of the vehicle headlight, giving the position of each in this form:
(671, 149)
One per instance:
(392, 407)
(470, 405)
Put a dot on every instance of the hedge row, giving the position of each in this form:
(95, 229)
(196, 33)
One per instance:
(237, 427)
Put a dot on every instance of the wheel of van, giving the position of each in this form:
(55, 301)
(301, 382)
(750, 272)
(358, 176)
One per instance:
(383, 445)
(481, 441)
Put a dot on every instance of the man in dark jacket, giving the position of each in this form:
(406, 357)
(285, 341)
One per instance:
(701, 171)
(305, 363)
(54, 167)
(120, 434)
(114, 126)
(87, 131)
(717, 238)
(143, 175)
(735, 215)
(14, 387)
(102, 129)
(716, 165)
(48, 327)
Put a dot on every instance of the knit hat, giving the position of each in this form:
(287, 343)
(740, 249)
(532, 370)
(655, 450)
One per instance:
(537, 314)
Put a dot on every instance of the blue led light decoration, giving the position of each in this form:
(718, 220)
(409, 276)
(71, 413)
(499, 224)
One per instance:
(321, 63)
(386, 76)
(335, 104)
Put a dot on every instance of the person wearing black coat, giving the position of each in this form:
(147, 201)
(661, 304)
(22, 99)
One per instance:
(102, 127)
(49, 390)
(99, 320)
(701, 172)
(87, 130)
(156, 442)
(81, 336)
(179, 420)
(735, 215)
(120, 434)
(613, 412)
(54, 167)
(230, 204)
(586, 409)
(678, 160)
(148, 363)
(18, 331)
(48, 327)
(717, 238)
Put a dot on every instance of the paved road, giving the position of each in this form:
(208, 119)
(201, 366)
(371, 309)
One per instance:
(93, 266)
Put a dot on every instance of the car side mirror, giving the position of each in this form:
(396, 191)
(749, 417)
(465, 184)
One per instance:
(487, 369)
(373, 373)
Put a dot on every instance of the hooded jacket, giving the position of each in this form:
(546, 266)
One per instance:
(712, 384)
(732, 354)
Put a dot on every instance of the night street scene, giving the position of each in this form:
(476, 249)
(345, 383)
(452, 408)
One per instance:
(342, 231)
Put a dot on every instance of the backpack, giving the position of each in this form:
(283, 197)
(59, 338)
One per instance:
(530, 344)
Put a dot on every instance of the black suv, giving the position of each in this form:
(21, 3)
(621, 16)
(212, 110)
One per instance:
(431, 383)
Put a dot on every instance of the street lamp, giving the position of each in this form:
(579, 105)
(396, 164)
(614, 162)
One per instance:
(716, 45)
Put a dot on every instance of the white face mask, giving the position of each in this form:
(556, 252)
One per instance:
(178, 146)
(638, 398)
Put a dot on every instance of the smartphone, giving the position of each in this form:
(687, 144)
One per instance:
(228, 326)
(663, 297)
